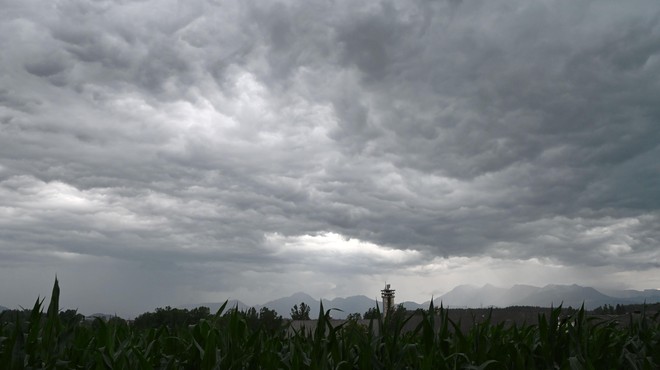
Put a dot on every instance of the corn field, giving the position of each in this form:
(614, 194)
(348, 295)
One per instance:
(46, 341)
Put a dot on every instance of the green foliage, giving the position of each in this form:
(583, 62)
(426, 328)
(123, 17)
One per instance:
(398, 312)
(372, 313)
(171, 317)
(300, 313)
(426, 339)
(266, 319)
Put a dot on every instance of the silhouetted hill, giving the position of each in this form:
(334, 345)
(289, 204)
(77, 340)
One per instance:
(566, 295)
(635, 296)
(283, 305)
(515, 293)
(355, 304)
(3, 308)
(412, 306)
(470, 296)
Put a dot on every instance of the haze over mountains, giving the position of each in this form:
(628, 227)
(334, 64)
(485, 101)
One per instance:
(526, 295)
(466, 296)
(462, 296)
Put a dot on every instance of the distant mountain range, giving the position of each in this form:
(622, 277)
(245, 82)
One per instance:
(526, 295)
(466, 296)
(463, 296)
(549, 295)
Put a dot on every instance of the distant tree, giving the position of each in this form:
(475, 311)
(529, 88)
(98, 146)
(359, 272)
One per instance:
(251, 317)
(372, 313)
(146, 320)
(300, 313)
(620, 309)
(71, 317)
(352, 327)
(14, 316)
(197, 314)
(117, 321)
(269, 319)
(171, 317)
(397, 313)
(264, 318)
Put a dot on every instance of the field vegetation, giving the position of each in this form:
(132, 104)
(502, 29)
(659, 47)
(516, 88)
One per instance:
(231, 339)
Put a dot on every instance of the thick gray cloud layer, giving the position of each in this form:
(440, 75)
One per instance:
(196, 138)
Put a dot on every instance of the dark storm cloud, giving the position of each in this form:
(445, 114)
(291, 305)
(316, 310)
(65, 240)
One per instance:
(189, 133)
(46, 67)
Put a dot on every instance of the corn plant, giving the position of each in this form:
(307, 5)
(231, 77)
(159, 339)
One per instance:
(34, 339)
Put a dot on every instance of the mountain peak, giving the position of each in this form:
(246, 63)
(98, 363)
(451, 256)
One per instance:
(302, 296)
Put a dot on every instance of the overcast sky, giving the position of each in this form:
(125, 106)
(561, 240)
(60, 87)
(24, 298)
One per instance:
(160, 153)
